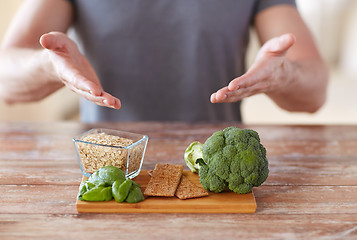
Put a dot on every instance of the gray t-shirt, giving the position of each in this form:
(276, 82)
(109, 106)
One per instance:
(164, 58)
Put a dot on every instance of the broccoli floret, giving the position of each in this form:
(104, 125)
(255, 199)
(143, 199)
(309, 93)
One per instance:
(210, 181)
(235, 158)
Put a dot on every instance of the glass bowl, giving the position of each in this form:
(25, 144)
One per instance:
(106, 147)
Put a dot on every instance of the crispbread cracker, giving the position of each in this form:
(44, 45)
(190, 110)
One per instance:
(164, 181)
(188, 189)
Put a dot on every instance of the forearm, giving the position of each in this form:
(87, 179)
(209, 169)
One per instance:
(304, 86)
(26, 75)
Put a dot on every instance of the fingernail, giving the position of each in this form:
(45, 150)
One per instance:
(105, 101)
(224, 96)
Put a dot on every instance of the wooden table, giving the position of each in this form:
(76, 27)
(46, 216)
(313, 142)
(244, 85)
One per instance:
(311, 192)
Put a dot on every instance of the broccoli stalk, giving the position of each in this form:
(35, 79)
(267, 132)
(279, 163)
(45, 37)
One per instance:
(232, 158)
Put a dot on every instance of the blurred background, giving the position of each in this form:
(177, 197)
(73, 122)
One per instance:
(334, 26)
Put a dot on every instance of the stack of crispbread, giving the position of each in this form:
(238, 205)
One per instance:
(167, 181)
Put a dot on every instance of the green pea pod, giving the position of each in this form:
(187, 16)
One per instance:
(135, 195)
(98, 193)
(121, 190)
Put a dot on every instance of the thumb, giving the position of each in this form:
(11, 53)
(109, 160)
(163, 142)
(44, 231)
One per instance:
(56, 41)
(280, 45)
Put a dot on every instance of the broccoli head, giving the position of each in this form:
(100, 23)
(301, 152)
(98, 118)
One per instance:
(233, 158)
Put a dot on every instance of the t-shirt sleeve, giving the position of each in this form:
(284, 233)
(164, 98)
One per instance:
(264, 4)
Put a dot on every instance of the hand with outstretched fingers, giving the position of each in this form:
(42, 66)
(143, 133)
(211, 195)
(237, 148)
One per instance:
(74, 70)
(264, 76)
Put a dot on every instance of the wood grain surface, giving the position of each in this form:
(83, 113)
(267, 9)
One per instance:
(311, 192)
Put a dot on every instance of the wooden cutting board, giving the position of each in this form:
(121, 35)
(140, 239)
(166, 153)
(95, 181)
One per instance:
(226, 202)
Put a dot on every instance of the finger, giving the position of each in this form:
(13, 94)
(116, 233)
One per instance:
(237, 83)
(106, 100)
(279, 46)
(117, 104)
(75, 80)
(213, 98)
(236, 96)
(111, 101)
(84, 84)
(219, 96)
(55, 41)
(93, 88)
(246, 80)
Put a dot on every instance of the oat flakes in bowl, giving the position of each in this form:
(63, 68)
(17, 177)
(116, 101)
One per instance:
(106, 147)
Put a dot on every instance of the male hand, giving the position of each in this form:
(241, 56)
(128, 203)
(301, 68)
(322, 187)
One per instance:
(74, 70)
(264, 76)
